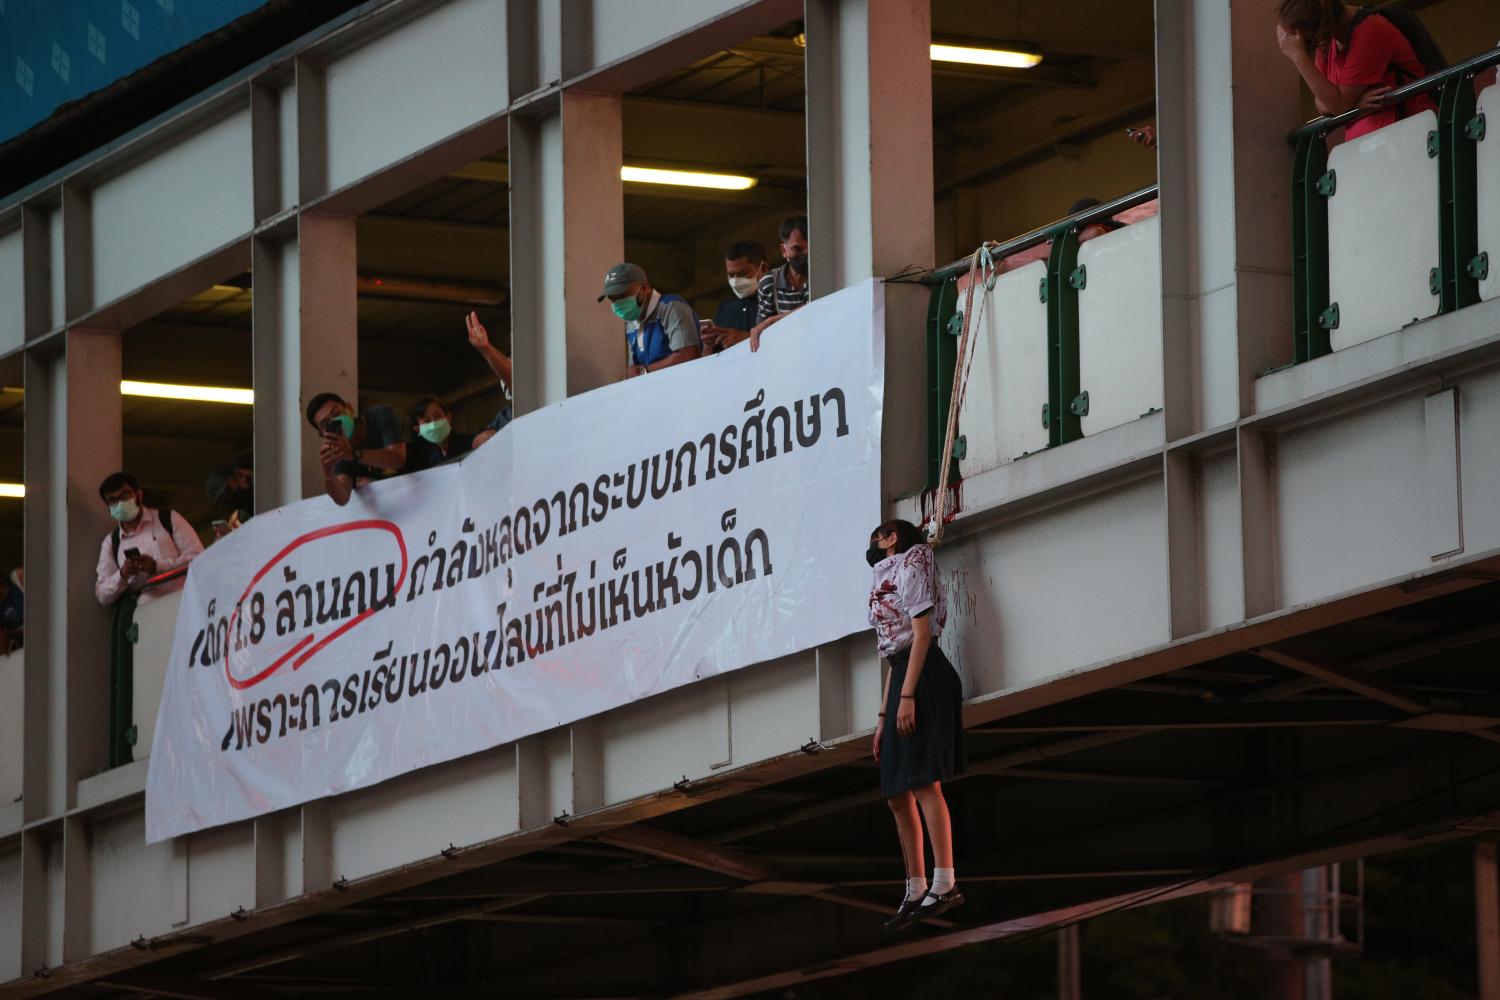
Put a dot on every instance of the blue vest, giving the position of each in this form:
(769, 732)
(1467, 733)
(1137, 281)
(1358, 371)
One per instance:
(648, 345)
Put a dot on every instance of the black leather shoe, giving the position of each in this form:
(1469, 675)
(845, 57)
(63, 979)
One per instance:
(905, 916)
(940, 904)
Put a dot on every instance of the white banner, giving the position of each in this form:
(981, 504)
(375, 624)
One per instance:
(601, 550)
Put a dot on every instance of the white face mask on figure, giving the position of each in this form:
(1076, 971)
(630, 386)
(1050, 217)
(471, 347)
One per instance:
(742, 288)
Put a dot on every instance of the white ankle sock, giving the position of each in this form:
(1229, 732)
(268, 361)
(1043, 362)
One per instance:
(942, 881)
(916, 888)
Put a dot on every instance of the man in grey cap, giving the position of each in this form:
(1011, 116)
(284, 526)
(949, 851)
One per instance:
(660, 330)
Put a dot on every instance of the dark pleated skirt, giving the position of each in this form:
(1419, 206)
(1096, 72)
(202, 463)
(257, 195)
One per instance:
(935, 752)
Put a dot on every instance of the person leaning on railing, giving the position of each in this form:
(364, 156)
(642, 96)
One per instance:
(1351, 57)
(661, 329)
(783, 290)
(435, 441)
(146, 541)
(356, 450)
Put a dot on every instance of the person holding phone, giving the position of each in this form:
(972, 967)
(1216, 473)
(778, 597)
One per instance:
(145, 542)
(354, 449)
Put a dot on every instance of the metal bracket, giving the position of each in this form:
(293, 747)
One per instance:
(960, 447)
(133, 633)
(1474, 127)
(1327, 184)
(131, 735)
(1435, 281)
(1433, 145)
(1328, 319)
(1042, 291)
(1080, 404)
(1046, 416)
(1479, 267)
(1079, 279)
(956, 324)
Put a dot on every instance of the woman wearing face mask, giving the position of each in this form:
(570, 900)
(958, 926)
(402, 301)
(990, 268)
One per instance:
(919, 733)
(434, 441)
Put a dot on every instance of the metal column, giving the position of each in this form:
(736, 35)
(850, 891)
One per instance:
(1487, 918)
(870, 187)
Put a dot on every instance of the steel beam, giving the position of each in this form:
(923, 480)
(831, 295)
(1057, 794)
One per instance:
(1349, 679)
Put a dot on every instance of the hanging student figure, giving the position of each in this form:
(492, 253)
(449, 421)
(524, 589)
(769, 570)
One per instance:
(919, 733)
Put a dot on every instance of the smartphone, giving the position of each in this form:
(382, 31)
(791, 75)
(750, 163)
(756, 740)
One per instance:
(132, 553)
(221, 525)
(330, 426)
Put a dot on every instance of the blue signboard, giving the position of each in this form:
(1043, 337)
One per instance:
(56, 51)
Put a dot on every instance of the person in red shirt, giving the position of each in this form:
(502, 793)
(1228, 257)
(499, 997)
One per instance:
(1347, 69)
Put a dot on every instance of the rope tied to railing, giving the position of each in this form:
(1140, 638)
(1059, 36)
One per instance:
(981, 270)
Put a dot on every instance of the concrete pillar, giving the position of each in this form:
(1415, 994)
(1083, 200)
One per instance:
(1487, 918)
(1279, 915)
(1225, 169)
(1069, 963)
(305, 341)
(567, 228)
(73, 440)
(870, 188)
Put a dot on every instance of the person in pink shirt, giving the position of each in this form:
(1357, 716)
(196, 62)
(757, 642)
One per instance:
(1349, 60)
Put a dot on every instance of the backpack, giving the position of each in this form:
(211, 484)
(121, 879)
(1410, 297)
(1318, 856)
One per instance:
(1410, 25)
(165, 513)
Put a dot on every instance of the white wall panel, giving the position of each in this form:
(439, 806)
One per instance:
(55, 268)
(1060, 590)
(10, 914)
(622, 28)
(12, 293)
(1001, 417)
(1119, 325)
(155, 621)
(773, 707)
(1383, 230)
(221, 872)
(286, 116)
(651, 744)
(1222, 554)
(406, 90)
(12, 676)
(172, 208)
(135, 891)
(1479, 459)
(1350, 500)
(418, 815)
(1489, 190)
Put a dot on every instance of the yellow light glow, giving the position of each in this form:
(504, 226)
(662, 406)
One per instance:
(1006, 58)
(196, 393)
(13, 491)
(687, 178)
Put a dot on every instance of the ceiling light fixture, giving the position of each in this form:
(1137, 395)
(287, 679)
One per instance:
(12, 491)
(687, 178)
(1004, 58)
(195, 393)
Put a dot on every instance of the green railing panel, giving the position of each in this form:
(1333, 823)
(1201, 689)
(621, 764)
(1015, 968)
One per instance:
(1064, 279)
(942, 355)
(122, 635)
(1311, 186)
(1458, 189)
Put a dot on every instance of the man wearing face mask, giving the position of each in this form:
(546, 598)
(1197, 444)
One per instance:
(660, 330)
(436, 441)
(145, 542)
(232, 490)
(784, 290)
(745, 265)
(355, 450)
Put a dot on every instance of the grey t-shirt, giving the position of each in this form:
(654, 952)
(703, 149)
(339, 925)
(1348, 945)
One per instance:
(679, 323)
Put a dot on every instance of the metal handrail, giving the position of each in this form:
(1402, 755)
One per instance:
(1434, 81)
(1036, 237)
